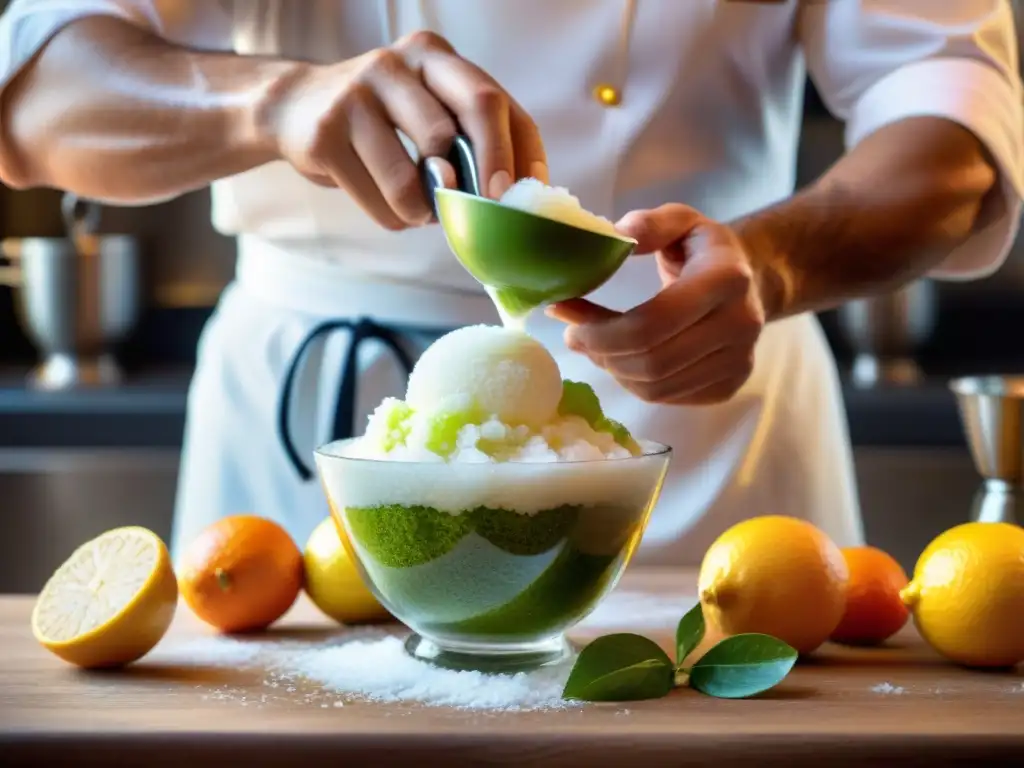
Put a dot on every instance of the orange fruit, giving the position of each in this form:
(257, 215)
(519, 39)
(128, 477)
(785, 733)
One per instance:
(241, 574)
(775, 575)
(874, 611)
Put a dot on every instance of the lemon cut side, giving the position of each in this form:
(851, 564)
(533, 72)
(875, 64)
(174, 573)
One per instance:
(111, 602)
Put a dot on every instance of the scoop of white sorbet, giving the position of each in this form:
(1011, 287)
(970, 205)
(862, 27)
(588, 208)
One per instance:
(502, 371)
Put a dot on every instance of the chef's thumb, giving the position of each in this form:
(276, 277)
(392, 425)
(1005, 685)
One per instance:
(659, 228)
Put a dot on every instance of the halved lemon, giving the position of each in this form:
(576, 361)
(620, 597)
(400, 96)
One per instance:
(111, 602)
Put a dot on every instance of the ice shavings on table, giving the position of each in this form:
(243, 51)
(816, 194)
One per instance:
(370, 664)
(380, 670)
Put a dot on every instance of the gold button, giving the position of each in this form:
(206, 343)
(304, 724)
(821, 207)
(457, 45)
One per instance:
(607, 95)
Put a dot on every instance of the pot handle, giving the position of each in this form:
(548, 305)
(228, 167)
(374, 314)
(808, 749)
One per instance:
(10, 270)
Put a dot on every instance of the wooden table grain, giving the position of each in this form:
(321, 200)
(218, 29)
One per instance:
(896, 705)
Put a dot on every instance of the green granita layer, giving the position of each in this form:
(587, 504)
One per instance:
(403, 536)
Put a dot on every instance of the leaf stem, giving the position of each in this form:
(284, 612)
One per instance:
(682, 678)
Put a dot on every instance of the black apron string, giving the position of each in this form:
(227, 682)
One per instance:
(343, 425)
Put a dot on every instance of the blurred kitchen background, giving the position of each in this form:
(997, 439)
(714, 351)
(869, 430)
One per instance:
(77, 461)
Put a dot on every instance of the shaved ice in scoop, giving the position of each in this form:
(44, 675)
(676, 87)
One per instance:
(487, 393)
(556, 203)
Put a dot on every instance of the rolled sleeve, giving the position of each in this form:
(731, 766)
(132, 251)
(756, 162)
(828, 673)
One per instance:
(876, 63)
(27, 25)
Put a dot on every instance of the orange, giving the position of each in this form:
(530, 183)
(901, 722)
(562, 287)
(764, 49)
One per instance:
(874, 610)
(775, 575)
(241, 574)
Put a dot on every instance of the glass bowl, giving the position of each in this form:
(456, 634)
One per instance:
(489, 564)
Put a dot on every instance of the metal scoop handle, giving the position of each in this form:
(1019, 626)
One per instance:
(467, 176)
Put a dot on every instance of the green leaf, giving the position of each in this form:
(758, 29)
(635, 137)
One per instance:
(742, 665)
(622, 667)
(579, 399)
(689, 633)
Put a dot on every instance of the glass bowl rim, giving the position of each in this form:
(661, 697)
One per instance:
(661, 450)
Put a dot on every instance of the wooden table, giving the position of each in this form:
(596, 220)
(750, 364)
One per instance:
(845, 707)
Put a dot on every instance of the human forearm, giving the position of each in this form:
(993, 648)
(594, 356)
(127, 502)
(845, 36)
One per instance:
(884, 214)
(112, 112)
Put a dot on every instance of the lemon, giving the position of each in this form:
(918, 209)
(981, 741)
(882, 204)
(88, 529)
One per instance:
(776, 575)
(333, 582)
(111, 602)
(967, 594)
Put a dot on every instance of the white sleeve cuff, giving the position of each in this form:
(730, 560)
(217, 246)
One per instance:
(979, 98)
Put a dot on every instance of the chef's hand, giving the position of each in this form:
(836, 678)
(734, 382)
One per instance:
(336, 124)
(692, 343)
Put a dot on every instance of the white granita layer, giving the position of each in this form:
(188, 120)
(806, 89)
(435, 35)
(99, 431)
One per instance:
(351, 479)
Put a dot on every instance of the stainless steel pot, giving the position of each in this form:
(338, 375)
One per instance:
(76, 297)
(886, 331)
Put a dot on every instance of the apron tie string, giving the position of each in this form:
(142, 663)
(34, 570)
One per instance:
(343, 427)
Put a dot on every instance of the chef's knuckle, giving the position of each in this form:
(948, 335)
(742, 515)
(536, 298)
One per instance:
(382, 62)
(392, 225)
(358, 96)
(731, 387)
(737, 278)
(714, 395)
(403, 189)
(424, 40)
(488, 99)
(388, 220)
(749, 322)
(322, 140)
(648, 391)
(651, 368)
(745, 365)
(437, 136)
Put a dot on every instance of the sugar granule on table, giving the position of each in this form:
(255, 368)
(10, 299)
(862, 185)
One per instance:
(888, 688)
(381, 671)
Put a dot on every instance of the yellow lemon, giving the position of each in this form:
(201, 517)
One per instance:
(333, 582)
(967, 594)
(111, 602)
(777, 575)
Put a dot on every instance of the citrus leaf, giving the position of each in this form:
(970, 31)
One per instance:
(742, 665)
(622, 667)
(689, 633)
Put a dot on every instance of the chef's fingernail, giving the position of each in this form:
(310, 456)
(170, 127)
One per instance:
(499, 183)
(539, 171)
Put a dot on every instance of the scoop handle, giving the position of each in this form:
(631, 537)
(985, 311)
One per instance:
(462, 159)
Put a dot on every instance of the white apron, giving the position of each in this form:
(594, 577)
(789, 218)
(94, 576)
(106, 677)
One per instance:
(779, 446)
